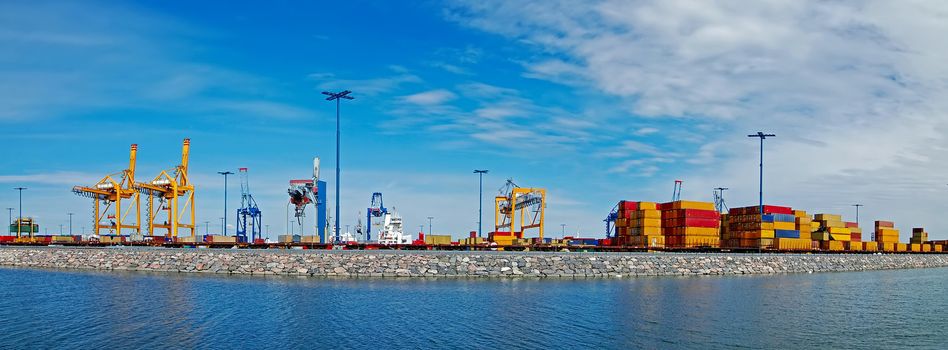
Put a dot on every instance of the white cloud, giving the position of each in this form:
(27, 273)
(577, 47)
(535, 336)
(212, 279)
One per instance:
(854, 90)
(432, 97)
(645, 131)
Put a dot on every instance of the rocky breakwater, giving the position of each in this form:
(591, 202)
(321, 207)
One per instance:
(451, 264)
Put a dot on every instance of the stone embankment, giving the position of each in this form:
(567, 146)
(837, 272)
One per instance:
(451, 264)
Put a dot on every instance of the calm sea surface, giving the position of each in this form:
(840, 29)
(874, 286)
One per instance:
(884, 309)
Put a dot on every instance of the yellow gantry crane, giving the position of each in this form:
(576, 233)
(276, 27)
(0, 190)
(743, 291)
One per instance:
(107, 196)
(170, 188)
(515, 201)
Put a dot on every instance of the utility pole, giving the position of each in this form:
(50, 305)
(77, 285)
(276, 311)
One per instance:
(70, 223)
(429, 224)
(480, 201)
(206, 225)
(762, 136)
(563, 234)
(10, 215)
(336, 96)
(224, 225)
(20, 218)
(223, 222)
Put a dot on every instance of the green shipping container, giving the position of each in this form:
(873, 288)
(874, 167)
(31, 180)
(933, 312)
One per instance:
(24, 229)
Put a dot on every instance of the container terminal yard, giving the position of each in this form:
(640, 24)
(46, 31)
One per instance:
(159, 211)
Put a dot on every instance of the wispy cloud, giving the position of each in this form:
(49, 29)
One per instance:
(431, 97)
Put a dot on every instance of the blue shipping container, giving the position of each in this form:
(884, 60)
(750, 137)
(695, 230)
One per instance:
(784, 218)
(787, 233)
(767, 218)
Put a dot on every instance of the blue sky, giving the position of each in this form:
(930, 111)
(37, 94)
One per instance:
(597, 103)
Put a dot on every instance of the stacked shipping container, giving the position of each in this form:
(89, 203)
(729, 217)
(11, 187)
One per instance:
(776, 228)
(639, 224)
(690, 224)
(887, 236)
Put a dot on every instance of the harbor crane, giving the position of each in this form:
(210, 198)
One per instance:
(248, 214)
(309, 191)
(719, 199)
(376, 211)
(107, 196)
(514, 201)
(174, 193)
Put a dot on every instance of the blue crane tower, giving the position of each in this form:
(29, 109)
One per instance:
(248, 214)
(377, 210)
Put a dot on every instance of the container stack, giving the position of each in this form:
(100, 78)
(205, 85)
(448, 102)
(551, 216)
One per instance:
(919, 236)
(887, 236)
(690, 224)
(855, 237)
(639, 224)
(776, 228)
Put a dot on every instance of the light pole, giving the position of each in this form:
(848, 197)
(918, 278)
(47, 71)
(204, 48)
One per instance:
(480, 200)
(429, 224)
(224, 225)
(223, 222)
(563, 234)
(762, 136)
(336, 96)
(70, 223)
(268, 230)
(10, 215)
(20, 217)
(206, 225)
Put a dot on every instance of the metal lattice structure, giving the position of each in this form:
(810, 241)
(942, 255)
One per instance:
(174, 193)
(375, 212)
(107, 196)
(526, 203)
(249, 215)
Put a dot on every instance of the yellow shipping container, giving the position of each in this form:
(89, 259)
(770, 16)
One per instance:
(785, 226)
(646, 223)
(696, 231)
(792, 244)
(693, 205)
(840, 237)
(803, 221)
(814, 226)
(914, 247)
(832, 245)
(185, 239)
(639, 231)
(648, 206)
(854, 246)
(839, 231)
(938, 247)
(887, 247)
(758, 234)
(651, 241)
(901, 247)
(503, 240)
(870, 246)
(828, 217)
(926, 247)
(838, 224)
(693, 241)
(647, 214)
(438, 239)
(800, 214)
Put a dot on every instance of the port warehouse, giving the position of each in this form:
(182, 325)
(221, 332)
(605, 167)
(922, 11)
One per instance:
(679, 225)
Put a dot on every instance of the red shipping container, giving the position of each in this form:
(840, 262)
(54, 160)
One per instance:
(852, 225)
(7, 238)
(885, 224)
(855, 237)
(628, 205)
(259, 241)
(769, 209)
(698, 213)
(701, 222)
